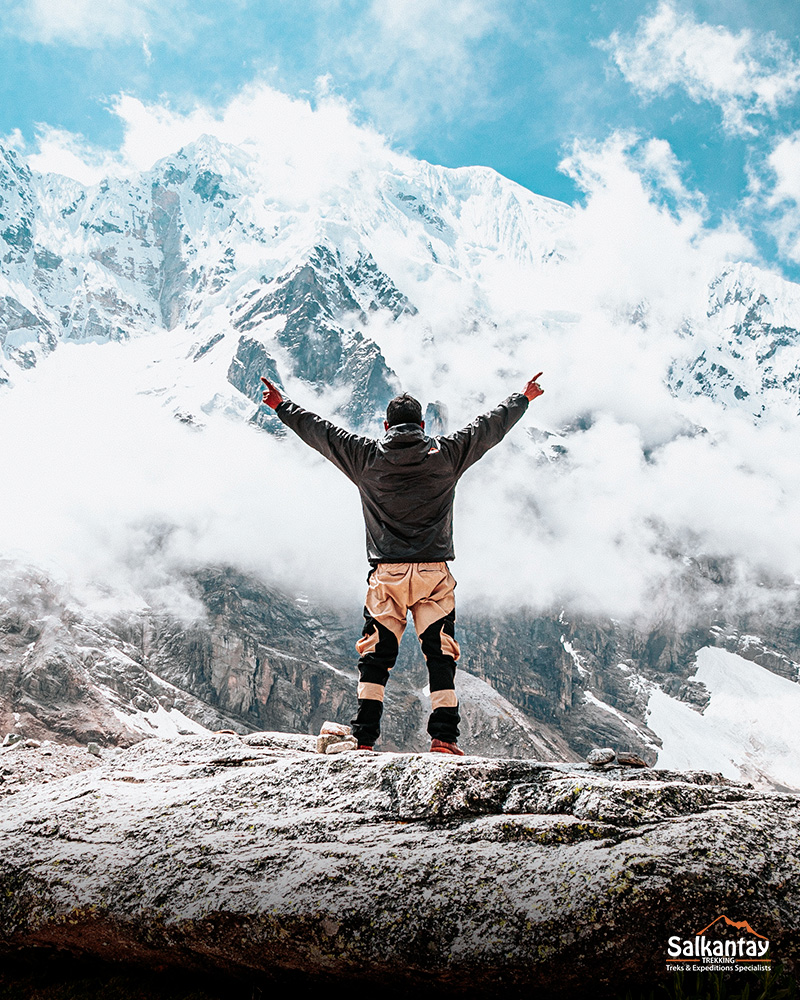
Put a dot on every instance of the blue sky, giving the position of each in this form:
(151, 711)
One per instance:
(512, 84)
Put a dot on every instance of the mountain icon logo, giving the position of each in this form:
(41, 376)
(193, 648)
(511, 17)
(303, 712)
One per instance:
(739, 925)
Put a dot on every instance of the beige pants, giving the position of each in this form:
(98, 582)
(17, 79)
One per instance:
(427, 591)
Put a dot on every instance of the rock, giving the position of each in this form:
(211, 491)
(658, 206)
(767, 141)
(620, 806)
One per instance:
(260, 660)
(71, 678)
(41, 764)
(335, 729)
(281, 741)
(342, 747)
(391, 870)
(630, 759)
(94, 749)
(327, 740)
(310, 303)
(11, 738)
(600, 756)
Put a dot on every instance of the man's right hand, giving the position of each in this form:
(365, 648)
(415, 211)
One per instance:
(271, 396)
(532, 389)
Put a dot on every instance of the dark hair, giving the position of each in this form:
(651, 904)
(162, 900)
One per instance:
(403, 410)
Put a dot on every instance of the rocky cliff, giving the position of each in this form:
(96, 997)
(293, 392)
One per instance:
(254, 658)
(256, 857)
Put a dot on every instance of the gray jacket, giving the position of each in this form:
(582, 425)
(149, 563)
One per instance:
(407, 480)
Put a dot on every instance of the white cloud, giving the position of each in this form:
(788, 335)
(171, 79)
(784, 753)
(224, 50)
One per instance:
(744, 74)
(115, 496)
(418, 61)
(784, 160)
(304, 152)
(643, 235)
(60, 152)
(777, 187)
(88, 23)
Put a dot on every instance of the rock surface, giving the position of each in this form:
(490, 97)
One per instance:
(258, 855)
(23, 763)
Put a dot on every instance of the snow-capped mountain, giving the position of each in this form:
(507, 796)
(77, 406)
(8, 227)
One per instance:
(747, 344)
(213, 276)
(198, 242)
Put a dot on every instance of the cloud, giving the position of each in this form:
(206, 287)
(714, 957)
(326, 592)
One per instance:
(775, 186)
(643, 233)
(88, 24)
(299, 150)
(116, 497)
(422, 61)
(746, 75)
(58, 151)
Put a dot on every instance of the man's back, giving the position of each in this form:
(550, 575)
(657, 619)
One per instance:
(406, 480)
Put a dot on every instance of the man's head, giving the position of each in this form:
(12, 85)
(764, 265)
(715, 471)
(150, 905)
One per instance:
(403, 410)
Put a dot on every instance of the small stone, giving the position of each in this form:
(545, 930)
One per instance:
(600, 756)
(94, 749)
(341, 747)
(630, 759)
(12, 738)
(326, 740)
(334, 729)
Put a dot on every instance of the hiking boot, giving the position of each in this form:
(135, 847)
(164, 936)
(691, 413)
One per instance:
(365, 746)
(439, 746)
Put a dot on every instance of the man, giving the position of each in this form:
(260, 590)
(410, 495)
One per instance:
(407, 483)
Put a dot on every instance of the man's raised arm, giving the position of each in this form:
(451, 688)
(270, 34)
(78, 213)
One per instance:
(468, 445)
(346, 451)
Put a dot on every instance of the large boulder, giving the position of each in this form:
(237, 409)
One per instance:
(256, 856)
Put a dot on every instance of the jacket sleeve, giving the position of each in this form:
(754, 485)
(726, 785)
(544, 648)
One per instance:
(348, 452)
(466, 446)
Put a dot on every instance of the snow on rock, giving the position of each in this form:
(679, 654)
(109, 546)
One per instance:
(409, 870)
(747, 732)
(638, 732)
(162, 722)
(744, 352)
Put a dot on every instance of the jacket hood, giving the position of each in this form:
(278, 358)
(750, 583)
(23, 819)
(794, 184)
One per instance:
(405, 444)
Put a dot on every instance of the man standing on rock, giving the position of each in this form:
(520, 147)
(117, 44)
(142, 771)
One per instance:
(407, 484)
